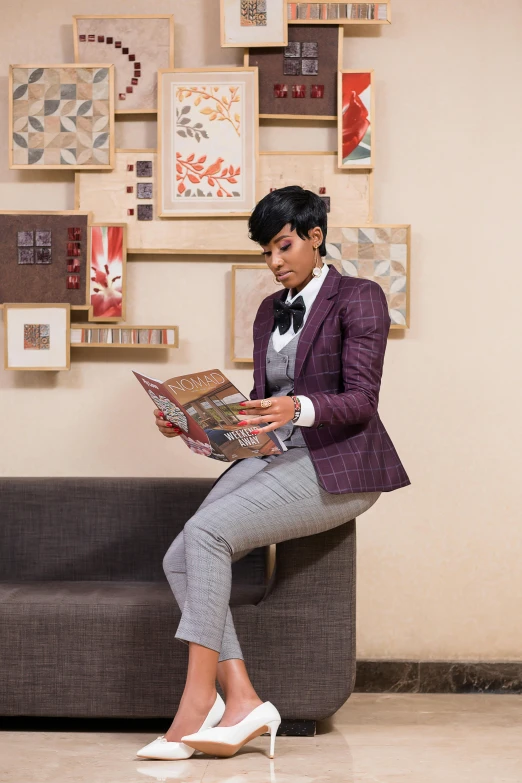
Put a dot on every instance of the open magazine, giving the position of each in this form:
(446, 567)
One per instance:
(204, 406)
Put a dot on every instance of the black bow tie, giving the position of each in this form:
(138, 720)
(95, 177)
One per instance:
(286, 314)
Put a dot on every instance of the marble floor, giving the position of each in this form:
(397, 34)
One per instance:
(374, 738)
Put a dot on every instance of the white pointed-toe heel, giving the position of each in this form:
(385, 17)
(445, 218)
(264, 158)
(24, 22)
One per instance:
(224, 741)
(162, 749)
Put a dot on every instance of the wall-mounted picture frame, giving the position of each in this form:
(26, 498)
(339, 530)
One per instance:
(348, 194)
(253, 23)
(299, 81)
(356, 121)
(107, 289)
(36, 336)
(61, 116)
(44, 257)
(330, 11)
(251, 283)
(207, 141)
(124, 336)
(380, 253)
(137, 44)
(112, 197)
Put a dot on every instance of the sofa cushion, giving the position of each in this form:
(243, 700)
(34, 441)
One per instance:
(100, 593)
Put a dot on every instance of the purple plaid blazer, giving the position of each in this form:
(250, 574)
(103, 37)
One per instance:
(338, 365)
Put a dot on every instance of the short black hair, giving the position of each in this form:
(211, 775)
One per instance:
(301, 208)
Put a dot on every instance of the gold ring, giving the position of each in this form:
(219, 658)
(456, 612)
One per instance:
(266, 403)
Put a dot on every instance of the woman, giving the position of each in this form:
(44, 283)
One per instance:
(318, 356)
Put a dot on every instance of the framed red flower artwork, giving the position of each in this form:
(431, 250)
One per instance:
(356, 119)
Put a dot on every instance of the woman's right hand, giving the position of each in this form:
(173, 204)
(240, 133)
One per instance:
(164, 426)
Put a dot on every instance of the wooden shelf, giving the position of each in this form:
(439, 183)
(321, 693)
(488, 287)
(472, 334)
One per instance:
(127, 336)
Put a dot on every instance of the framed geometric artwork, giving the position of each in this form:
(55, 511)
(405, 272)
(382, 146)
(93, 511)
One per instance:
(299, 81)
(115, 197)
(356, 127)
(137, 45)
(37, 336)
(107, 283)
(348, 194)
(44, 257)
(61, 116)
(207, 142)
(251, 283)
(330, 11)
(253, 23)
(380, 253)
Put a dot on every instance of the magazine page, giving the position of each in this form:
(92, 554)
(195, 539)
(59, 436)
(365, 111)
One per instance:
(192, 434)
(213, 402)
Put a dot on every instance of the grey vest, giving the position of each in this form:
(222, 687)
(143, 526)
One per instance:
(280, 380)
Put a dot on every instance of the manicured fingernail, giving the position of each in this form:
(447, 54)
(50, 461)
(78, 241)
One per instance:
(242, 403)
(162, 415)
(254, 432)
(169, 424)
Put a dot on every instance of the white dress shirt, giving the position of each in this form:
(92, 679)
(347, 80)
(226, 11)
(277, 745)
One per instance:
(309, 292)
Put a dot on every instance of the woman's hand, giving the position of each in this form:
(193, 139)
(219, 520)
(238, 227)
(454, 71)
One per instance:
(165, 427)
(280, 412)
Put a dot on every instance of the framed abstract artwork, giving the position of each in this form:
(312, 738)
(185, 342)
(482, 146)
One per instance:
(127, 336)
(118, 196)
(137, 45)
(37, 336)
(380, 253)
(356, 126)
(44, 257)
(330, 11)
(253, 23)
(348, 194)
(299, 81)
(251, 283)
(108, 272)
(207, 142)
(61, 116)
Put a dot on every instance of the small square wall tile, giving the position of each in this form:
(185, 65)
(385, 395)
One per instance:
(317, 91)
(130, 188)
(25, 238)
(280, 90)
(26, 255)
(130, 211)
(73, 281)
(292, 67)
(298, 91)
(43, 255)
(309, 67)
(144, 168)
(144, 190)
(293, 49)
(144, 211)
(43, 239)
(309, 49)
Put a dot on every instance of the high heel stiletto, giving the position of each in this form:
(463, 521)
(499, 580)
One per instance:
(162, 749)
(224, 741)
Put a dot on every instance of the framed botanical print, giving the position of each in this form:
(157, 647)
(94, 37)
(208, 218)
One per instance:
(299, 81)
(108, 272)
(380, 253)
(61, 116)
(37, 336)
(253, 23)
(207, 142)
(138, 45)
(356, 126)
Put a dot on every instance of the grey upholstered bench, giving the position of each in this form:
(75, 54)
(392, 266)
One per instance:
(87, 619)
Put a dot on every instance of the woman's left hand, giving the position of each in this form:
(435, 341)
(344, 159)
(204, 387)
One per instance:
(280, 412)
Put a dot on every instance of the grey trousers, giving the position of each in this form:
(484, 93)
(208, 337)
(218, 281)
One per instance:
(259, 501)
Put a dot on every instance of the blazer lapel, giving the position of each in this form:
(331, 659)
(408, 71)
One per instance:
(321, 306)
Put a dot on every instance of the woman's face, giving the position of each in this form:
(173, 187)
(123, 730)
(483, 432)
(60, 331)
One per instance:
(292, 259)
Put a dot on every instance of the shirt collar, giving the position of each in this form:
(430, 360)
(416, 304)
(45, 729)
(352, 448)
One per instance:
(311, 289)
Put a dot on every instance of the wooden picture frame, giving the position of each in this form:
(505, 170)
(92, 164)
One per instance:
(379, 252)
(236, 34)
(282, 95)
(42, 280)
(107, 268)
(205, 194)
(46, 336)
(356, 122)
(245, 301)
(157, 52)
(91, 124)
(87, 329)
(297, 10)
(108, 200)
(349, 193)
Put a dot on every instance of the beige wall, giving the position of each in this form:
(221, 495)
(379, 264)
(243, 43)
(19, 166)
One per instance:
(439, 562)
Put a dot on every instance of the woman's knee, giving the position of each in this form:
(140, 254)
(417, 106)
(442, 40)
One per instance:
(205, 529)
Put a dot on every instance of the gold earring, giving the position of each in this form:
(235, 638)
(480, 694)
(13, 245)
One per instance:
(316, 270)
